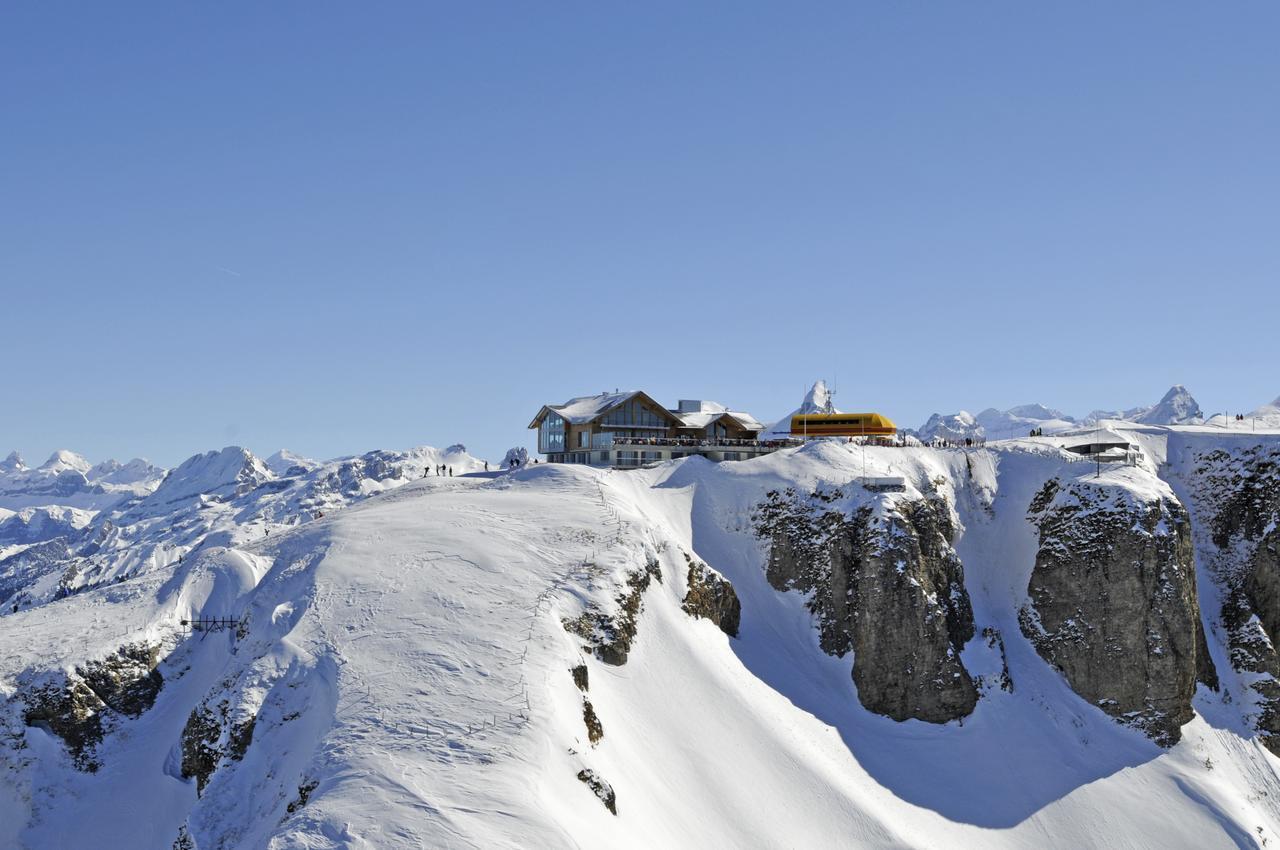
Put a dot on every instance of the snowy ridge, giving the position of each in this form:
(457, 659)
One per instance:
(403, 669)
(219, 498)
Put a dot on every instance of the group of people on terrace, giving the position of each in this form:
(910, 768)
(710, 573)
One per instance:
(706, 442)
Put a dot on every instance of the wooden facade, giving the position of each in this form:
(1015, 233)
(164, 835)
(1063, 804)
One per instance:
(633, 429)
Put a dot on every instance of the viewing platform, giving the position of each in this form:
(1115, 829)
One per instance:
(628, 452)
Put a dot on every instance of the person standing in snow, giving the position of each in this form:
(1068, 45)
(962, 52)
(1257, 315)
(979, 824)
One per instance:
(451, 472)
(486, 466)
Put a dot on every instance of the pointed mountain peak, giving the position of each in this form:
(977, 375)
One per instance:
(63, 460)
(818, 399)
(1177, 406)
(13, 463)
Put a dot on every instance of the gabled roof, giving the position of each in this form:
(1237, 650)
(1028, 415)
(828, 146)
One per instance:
(747, 420)
(584, 409)
(702, 419)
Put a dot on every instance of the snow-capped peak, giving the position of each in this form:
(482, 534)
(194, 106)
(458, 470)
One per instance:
(13, 463)
(218, 474)
(957, 426)
(1176, 406)
(817, 400)
(1037, 411)
(1020, 420)
(63, 460)
(283, 461)
(136, 471)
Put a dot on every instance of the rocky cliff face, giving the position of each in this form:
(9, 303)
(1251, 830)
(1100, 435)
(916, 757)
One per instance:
(83, 706)
(1239, 493)
(609, 635)
(885, 583)
(711, 597)
(1114, 604)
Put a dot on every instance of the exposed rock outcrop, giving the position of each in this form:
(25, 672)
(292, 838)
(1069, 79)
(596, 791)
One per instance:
(305, 789)
(712, 597)
(884, 582)
(1114, 604)
(1240, 496)
(212, 735)
(595, 730)
(184, 841)
(600, 788)
(80, 707)
(609, 635)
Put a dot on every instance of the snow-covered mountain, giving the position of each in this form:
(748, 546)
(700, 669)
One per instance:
(956, 427)
(829, 645)
(67, 479)
(1020, 421)
(285, 462)
(817, 400)
(138, 474)
(1177, 407)
(1267, 415)
(220, 497)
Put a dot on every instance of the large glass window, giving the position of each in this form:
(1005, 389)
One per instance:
(551, 434)
(634, 414)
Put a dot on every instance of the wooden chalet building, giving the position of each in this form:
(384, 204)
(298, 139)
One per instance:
(628, 429)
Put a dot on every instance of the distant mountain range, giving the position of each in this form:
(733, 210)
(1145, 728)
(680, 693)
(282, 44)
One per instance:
(1177, 407)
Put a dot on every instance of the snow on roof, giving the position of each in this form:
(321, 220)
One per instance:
(748, 421)
(1094, 436)
(579, 411)
(704, 418)
(586, 408)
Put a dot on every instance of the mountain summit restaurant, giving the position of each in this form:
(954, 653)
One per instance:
(629, 429)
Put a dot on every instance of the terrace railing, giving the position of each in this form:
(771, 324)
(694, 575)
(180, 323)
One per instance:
(694, 443)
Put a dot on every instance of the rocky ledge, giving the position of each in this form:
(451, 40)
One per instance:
(1113, 602)
(884, 582)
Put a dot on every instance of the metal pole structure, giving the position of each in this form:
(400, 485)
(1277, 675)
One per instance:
(1098, 455)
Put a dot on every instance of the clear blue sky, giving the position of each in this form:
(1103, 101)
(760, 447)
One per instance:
(344, 226)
